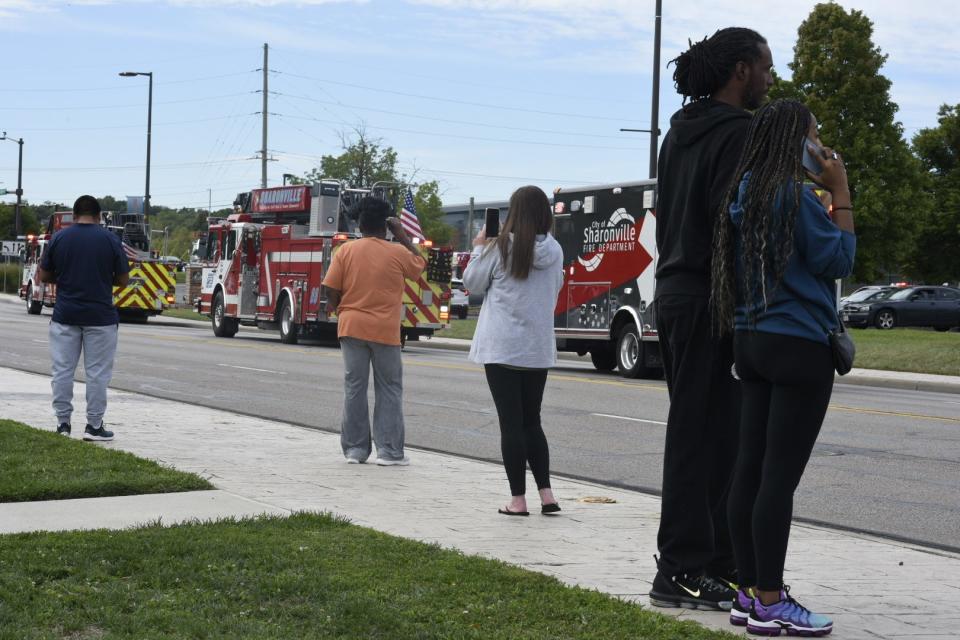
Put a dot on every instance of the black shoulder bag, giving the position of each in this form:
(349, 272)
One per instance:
(841, 344)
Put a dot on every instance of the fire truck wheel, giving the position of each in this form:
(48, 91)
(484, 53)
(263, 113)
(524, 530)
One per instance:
(223, 327)
(604, 358)
(630, 356)
(33, 307)
(288, 328)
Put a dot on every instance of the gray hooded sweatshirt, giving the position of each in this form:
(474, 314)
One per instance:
(516, 319)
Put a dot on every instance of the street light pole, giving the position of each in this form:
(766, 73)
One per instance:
(17, 218)
(146, 195)
(655, 107)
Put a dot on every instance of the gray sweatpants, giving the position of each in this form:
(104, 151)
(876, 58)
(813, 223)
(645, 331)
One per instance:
(99, 345)
(388, 430)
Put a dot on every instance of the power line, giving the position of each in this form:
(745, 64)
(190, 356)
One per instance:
(122, 106)
(480, 138)
(140, 126)
(126, 86)
(434, 119)
(454, 101)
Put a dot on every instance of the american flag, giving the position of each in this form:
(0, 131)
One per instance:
(408, 217)
(132, 253)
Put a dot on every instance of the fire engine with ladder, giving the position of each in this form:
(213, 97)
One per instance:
(152, 284)
(263, 266)
(608, 236)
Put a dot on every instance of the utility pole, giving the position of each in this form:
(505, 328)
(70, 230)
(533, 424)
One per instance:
(655, 107)
(654, 129)
(469, 237)
(263, 148)
(209, 201)
(17, 219)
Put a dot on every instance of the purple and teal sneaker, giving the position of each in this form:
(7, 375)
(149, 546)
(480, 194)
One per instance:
(787, 615)
(742, 606)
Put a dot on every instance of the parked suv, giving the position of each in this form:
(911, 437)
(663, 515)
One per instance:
(937, 307)
(459, 299)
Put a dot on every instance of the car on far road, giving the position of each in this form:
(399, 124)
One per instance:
(459, 299)
(866, 294)
(917, 306)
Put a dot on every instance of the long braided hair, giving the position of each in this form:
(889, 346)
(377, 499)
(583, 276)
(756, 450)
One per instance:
(772, 154)
(707, 65)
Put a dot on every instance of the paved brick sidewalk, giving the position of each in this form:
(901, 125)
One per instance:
(872, 588)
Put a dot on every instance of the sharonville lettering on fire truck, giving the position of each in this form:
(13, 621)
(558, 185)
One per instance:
(608, 235)
(263, 265)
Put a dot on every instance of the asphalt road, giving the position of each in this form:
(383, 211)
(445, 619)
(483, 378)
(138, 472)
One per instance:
(888, 461)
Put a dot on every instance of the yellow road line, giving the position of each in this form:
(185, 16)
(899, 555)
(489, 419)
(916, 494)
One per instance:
(896, 414)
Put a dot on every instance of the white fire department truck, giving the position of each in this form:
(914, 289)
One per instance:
(263, 266)
(608, 235)
(152, 285)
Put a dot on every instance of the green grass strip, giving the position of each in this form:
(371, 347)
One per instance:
(42, 465)
(306, 576)
(185, 314)
(912, 350)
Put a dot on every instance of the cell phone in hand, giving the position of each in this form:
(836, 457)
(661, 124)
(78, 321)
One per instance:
(492, 228)
(810, 163)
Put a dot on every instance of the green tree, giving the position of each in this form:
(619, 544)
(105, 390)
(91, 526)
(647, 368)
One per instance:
(364, 161)
(836, 68)
(8, 220)
(936, 254)
(426, 198)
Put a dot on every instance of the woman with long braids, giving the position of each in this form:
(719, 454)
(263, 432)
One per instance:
(521, 273)
(777, 253)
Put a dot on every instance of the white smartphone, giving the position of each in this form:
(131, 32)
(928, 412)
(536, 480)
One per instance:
(810, 163)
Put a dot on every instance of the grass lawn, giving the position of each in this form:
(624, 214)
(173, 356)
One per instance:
(908, 350)
(462, 329)
(42, 465)
(180, 277)
(307, 576)
(185, 314)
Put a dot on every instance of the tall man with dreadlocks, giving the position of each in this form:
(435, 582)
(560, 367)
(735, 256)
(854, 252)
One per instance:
(720, 78)
(777, 255)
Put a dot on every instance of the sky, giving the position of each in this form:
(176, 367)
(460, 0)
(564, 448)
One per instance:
(483, 96)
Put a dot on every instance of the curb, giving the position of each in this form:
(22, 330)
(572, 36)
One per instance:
(873, 379)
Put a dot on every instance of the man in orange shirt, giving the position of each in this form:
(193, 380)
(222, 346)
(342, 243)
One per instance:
(365, 287)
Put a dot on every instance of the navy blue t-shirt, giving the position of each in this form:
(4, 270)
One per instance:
(85, 259)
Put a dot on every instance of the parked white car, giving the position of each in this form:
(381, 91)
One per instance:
(459, 299)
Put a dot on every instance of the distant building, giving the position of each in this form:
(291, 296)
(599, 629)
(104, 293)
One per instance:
(456, 215)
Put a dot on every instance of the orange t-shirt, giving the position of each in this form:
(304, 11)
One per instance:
(369, 274)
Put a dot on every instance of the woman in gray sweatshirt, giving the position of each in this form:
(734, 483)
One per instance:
(520, 274)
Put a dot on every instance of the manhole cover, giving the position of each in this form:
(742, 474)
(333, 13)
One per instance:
(597, 500)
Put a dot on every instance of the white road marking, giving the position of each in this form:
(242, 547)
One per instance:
(234, 366)
(607, 415)
(40, 341)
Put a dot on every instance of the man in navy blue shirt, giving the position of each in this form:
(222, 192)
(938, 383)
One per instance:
(85, 261)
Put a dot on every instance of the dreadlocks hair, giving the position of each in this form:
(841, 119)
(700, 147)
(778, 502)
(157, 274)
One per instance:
(772, 154)
(706, 66)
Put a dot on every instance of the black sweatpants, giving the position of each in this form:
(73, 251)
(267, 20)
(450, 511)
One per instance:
(786, 383)
(518, 393)
(701, 440)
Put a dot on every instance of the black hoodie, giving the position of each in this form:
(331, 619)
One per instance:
(699, 155)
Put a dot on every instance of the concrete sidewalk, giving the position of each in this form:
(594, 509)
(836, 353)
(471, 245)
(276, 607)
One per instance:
(873, 588)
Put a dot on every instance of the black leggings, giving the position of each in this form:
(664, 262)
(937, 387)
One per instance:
(786, 386)
(517, 393)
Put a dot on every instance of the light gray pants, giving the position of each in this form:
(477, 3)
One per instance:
(99, 345)
(388, 430)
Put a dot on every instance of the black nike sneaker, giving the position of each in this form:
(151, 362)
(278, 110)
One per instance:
(691, 592)
(726, 578)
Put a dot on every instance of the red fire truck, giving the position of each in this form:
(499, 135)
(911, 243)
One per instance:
(608, 235)
(152, 284)
(263, 265)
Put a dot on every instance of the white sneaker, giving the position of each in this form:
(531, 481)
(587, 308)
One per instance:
(353, 460)
(386, 462)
